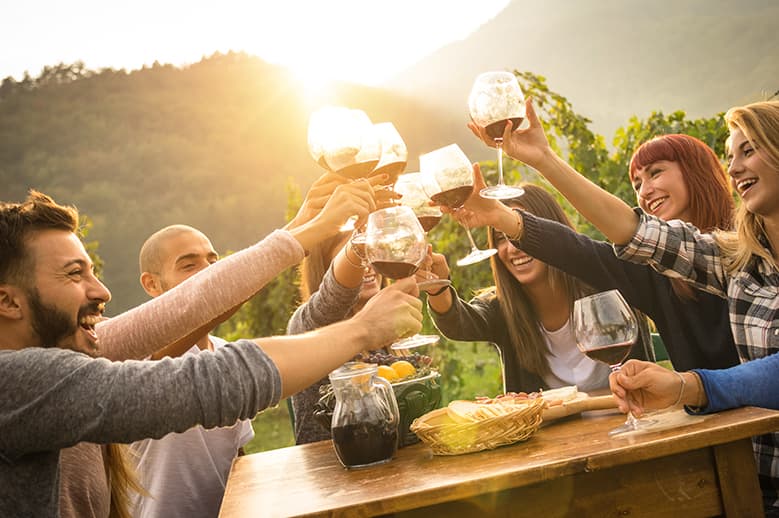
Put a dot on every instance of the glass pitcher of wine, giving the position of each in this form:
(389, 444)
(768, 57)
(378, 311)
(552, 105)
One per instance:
(366, 417)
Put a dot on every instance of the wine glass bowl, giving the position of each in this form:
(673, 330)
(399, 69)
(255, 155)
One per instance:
(394, 153)
(449, 182)
(395, 246)
(395, 242)
(495, 99)
(605, 330)
(344, 141)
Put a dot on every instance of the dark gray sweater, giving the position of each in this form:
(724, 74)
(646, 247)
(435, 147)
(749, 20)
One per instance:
(55, 398)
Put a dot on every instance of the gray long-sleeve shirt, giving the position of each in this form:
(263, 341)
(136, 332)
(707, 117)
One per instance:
(55, 398)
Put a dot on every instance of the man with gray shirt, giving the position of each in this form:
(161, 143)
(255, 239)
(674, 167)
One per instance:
(50, 300)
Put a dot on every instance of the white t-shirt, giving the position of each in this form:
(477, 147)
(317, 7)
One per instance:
(569, 365)
(186, 473)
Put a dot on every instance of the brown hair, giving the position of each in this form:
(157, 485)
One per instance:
(711, 200)
(521, 318)
(759, 122)
(19, 221)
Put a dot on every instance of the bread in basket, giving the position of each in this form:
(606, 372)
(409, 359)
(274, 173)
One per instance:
(470, 426)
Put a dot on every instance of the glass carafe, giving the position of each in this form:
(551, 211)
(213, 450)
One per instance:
(365, 418)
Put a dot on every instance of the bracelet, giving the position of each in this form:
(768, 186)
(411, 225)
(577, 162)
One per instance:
(681, 388)
(518, 218)
(360, 266)
(437, 293)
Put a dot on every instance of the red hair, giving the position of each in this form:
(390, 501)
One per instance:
(711, 201)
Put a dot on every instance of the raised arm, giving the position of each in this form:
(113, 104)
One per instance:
(194, 307)
(607, 212)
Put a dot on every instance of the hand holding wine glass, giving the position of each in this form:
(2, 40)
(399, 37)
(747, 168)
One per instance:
(395, 246)
(495, 101)
(605, 330)
(449, 182)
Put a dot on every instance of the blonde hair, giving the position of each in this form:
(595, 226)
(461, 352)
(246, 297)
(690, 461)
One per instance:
(122, 479)
(316, 263)
(759, 122)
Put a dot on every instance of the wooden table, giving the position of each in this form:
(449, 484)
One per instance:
(569, 468)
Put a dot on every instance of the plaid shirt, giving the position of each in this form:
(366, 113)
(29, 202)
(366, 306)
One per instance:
(678, 249)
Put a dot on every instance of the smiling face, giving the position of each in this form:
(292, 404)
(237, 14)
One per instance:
(66, 300)
(752, 177)
(662, 191)
(524, 268)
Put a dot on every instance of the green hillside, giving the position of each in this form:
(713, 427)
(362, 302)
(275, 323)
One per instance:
(213, 145)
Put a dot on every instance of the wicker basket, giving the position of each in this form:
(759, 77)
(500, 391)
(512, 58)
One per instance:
(446, 436)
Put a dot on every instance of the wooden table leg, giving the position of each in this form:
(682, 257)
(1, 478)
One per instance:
(738, 482)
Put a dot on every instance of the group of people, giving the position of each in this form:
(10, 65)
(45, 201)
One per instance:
(79, 387)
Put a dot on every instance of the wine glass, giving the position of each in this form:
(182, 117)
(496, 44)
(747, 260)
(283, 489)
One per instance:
(605, 330)
(344, 141)
(450, 183)
(395, 246)
(394, 153)
(414, 197)
(495, 99)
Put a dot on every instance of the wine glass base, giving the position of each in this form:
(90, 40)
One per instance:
(434, 283)
(633, 426)
(415, 341)
(501, 192)
(476, 256)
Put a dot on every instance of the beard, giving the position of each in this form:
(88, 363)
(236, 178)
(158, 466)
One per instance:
(53, 326)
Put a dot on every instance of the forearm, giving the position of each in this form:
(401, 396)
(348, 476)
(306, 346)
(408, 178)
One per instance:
(754, 383)
(199, 303)
(329, 304)
(610, 214)
(305, 358)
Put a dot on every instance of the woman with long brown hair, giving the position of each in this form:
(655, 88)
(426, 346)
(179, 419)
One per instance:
(528, 313)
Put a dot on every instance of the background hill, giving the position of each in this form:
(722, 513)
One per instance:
(216, 144)
(617, 58)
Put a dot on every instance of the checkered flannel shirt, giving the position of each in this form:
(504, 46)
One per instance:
(678, 249)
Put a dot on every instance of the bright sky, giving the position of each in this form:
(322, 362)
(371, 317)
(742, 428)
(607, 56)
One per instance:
(356, 40)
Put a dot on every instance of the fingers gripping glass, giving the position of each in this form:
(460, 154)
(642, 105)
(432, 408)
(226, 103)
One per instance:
(605, 330)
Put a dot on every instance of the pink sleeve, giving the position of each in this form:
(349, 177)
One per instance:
(140, 331)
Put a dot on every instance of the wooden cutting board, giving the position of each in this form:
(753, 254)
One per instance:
(577, 406)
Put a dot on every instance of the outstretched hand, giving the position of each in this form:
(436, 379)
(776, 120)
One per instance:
(528, 145)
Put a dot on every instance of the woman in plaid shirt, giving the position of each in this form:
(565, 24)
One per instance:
(740, 265)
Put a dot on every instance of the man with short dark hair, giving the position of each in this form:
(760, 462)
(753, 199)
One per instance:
(54, 398)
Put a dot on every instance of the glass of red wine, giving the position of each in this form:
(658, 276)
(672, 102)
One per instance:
(449, 182)
(344, 141)
(605, 330)
(395, 246)
(495, 99)
(409, 185)
(394, 153)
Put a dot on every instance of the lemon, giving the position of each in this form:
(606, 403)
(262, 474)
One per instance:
(388, 373)
(403, 368)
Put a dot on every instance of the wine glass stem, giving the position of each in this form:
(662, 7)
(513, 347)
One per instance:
(470, 237)
(499, 148)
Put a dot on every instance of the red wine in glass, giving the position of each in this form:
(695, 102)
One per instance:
(428, 222)
(611, 355)
(496, 129)
(394, 269)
